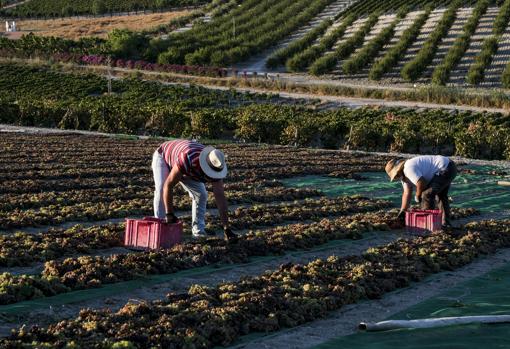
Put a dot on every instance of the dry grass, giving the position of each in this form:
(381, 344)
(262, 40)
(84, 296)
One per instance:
(99, 27)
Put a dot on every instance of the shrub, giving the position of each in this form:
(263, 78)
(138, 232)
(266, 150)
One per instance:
(501, 21)
(299, 45)
(482, 140)
(369, 134)
(368, 53)
(302, 130)
(505, 77)
(211, 123)
(301, 61)
(261, 124)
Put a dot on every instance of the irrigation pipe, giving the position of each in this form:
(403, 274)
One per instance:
(432, 323)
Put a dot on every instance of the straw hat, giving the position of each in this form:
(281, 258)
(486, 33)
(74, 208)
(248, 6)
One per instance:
(212, 162)
(394, 168)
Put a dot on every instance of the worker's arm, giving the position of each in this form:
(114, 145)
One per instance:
(173, 178)
(406, 196)
(221, 202)
(421, 185)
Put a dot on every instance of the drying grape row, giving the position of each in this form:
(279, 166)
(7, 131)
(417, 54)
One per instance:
(22, 249)
(292, 295)
(86, 272)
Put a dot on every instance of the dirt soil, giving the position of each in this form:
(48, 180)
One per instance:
(75, 28)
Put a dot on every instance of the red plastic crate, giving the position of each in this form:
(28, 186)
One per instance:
(423, 221)
(151, 233)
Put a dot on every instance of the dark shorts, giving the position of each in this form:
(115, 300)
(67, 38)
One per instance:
(439, 187)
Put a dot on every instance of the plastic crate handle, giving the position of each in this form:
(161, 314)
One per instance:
(159, 220)
(153, 219)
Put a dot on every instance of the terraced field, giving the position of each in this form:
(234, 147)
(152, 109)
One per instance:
(383, 43)
(386, 33)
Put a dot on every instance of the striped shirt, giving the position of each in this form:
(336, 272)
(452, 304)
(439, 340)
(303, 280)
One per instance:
(186, 156)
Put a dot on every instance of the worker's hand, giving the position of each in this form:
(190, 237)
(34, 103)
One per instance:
(171, 218)
(229, 235)
(401, 217)
(417, 199)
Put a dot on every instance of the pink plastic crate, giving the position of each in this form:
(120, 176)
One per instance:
(423, 221)
(151, 233)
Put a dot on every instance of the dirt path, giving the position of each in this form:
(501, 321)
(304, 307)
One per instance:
(338, 101)
(303, 80)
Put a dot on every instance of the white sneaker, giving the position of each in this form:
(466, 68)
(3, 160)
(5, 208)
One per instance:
(203, 234)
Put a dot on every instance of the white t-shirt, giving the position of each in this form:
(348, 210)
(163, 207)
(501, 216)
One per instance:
(424, 166)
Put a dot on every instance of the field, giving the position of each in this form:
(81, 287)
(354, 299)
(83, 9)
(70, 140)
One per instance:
(453, 44)
(73, 28)
(63, 180)
(297, 95)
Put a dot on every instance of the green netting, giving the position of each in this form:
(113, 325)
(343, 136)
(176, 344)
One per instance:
(107, 290)
(468, 190)
(128, 286)
(485, 295)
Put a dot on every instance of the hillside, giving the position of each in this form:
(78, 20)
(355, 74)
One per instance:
(453, 43)
(396, 42)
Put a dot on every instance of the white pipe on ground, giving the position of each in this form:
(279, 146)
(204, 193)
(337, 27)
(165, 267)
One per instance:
(431, 323)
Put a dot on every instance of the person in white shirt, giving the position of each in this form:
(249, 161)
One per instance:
(431, 175)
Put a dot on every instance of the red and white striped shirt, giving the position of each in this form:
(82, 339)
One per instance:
(186, 156)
